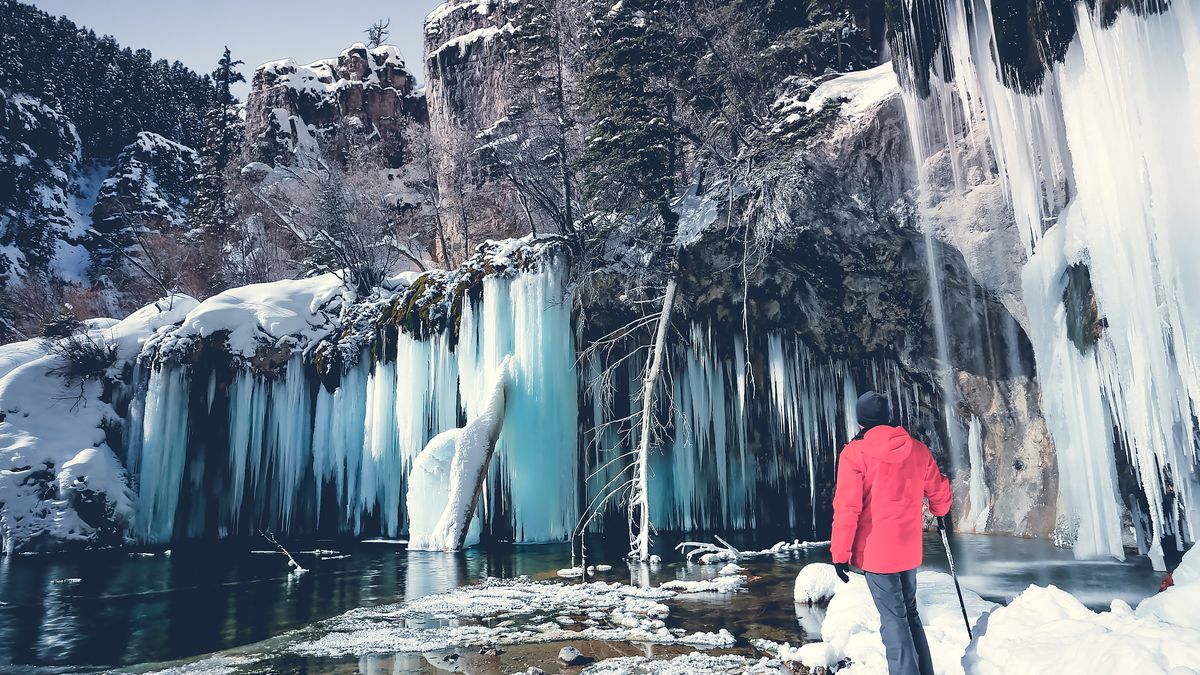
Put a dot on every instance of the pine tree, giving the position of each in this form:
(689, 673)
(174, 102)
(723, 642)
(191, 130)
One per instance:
(210, 208)
(632, 152)
(636, 64)
(211, 212)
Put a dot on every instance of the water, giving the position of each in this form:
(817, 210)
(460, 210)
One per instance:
(111, 609)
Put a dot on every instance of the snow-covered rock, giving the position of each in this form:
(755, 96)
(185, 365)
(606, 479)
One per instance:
(295, 111)
(816, 582)
(148, 187)
(293, 313)
(570, 656)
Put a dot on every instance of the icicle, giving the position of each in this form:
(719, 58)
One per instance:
(163, 453)
(1130, 220)
(981, 498)
(247, 415)
(528, 317)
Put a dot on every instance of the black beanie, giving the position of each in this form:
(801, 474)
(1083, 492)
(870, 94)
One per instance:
(872, 410)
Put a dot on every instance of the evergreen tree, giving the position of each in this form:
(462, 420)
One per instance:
(632, 152)
(210, 208)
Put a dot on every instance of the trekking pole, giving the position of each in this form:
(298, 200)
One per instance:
(941, 521)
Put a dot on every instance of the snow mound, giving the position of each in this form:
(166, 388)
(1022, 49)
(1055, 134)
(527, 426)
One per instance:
(54, 457)
(851, 627)
(817, 582)
(1179, 604)
(1047, 630)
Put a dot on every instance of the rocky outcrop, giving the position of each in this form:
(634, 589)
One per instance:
(148, 188)
(300, 112)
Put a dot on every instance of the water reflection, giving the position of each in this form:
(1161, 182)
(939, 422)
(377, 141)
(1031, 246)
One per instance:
(810, 618)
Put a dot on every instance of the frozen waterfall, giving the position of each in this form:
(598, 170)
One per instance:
(275, 449)
(1112, 224)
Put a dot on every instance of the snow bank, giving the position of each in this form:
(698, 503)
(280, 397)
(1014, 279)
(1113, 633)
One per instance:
(54, 454)
(1046, 630)
(817, 582)
(447, 475)
(851, 627)
(1179, 604)
(464, 42)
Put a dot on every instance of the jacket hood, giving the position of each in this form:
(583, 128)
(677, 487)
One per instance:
(888, 444)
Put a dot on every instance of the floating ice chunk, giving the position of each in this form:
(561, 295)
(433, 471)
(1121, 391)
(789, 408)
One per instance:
(721, 584)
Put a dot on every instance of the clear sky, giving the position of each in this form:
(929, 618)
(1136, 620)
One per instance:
(195, 31)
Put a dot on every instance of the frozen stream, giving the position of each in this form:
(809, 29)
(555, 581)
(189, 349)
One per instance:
(108, 609)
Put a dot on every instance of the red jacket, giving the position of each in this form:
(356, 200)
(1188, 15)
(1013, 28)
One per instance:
(882, 481)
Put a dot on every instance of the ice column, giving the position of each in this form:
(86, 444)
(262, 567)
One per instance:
(163, 453)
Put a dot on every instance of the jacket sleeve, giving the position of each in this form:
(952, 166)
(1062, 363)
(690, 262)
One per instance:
(937, 488)
(847, 506)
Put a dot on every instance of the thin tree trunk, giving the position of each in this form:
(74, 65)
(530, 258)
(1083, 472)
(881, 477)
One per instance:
(640, 500)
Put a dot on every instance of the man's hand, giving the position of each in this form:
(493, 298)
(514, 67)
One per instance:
(941, 523)
(842, 570)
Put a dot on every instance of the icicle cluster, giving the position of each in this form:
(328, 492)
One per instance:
(746, 447)
(254, 449)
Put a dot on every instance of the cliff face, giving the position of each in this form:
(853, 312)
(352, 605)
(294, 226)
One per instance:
(295, 112)
(468, 75)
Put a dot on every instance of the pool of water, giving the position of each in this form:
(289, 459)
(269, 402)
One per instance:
(112, 609)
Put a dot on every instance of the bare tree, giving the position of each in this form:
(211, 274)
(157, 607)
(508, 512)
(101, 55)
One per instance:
(377, 33)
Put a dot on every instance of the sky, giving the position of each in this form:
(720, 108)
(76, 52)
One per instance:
(196, 31)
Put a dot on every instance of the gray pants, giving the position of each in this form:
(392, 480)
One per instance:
(895, 597)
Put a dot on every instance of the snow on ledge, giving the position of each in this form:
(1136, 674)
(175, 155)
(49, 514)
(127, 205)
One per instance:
(863, 89)
(269, 314)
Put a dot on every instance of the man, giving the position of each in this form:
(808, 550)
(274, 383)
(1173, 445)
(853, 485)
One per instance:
(883, 478)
